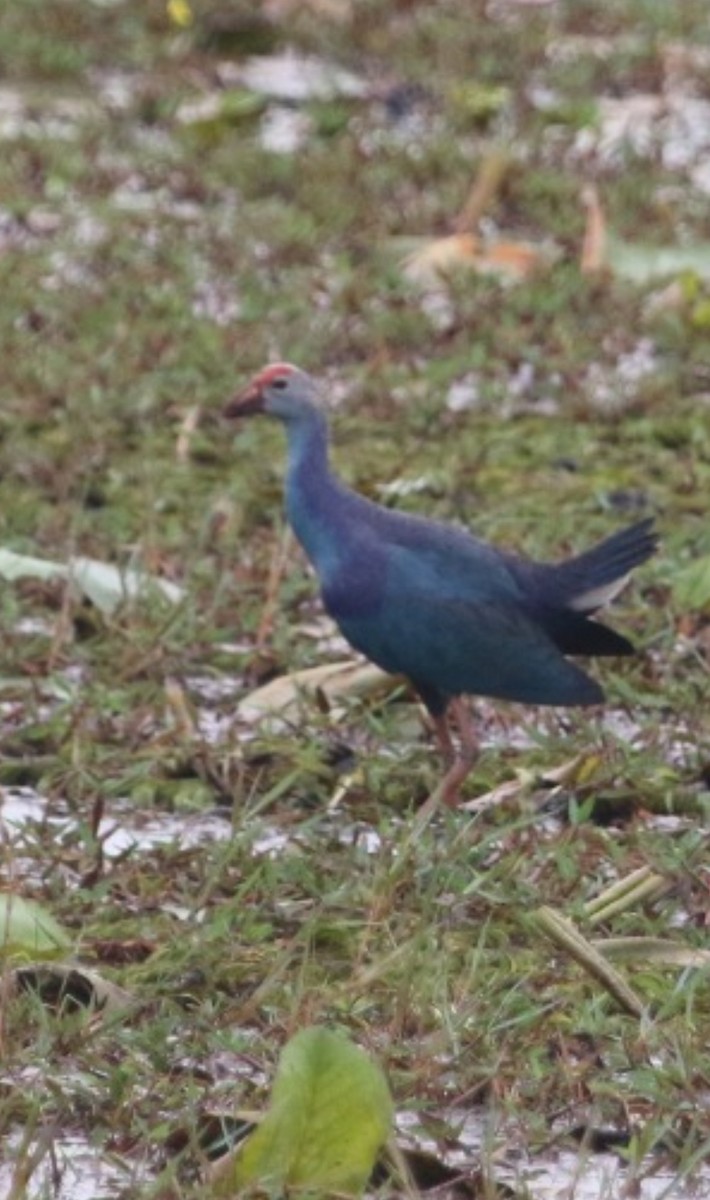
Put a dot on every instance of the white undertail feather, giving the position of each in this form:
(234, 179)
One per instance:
(597, 597)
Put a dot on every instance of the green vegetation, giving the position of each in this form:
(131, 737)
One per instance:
(149, 262)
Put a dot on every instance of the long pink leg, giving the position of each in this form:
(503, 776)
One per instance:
(442, 733)
(461, 761)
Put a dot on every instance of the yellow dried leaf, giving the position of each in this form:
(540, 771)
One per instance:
(282, 696)
(593, 258)
(437, 260)
(180, 13)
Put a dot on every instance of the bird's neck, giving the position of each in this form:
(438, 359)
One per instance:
(312, 494)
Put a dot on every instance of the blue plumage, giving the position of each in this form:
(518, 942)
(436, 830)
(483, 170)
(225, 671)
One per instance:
(431, 602)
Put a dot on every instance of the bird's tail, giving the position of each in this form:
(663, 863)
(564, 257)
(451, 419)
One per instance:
(592, 579)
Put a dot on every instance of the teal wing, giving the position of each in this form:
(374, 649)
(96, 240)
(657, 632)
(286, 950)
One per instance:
(481, 648)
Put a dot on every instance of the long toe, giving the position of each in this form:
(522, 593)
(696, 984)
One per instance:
(448, 791)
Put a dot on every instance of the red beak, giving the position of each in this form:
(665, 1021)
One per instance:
(243, 404)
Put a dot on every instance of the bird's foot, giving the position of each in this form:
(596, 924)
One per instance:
(449, 790)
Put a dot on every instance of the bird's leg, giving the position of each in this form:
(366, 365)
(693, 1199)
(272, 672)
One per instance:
(460, 762)
(470, 743)
(443, 737)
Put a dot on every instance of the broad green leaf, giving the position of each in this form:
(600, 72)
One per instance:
(692, 585)
(643, 264)
(106, 585)
(22, 566)
(27, 932)
(218, 111)
(331, 1112)
(480, 101)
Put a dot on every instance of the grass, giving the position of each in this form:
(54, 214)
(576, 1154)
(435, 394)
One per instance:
(147, 269)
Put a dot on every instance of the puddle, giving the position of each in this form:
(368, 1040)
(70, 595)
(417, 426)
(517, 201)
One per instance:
(676, 740)
(145, 833)
(71, 1169)
(464, 394)
(612, 387)
(18, 806)
(673, 127)
(135, 196)
(293, 78)
(116, 89)
(128, 830)
(214, 727)
(216, 300)
(557, 1175)
(214, 689)
(284, 130)
(54, 118)
(271, 843)
(122, 831)
(571, 1176)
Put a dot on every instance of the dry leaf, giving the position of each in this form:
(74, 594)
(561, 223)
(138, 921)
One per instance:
(485, 187)
(574, 770)
(283, 696)
(509, 790)
(593, 258)
(327, 10)
(62, 983)
(437, 260)
(652, 950)
(188, 425)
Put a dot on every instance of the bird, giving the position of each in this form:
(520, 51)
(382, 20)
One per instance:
(426, 600)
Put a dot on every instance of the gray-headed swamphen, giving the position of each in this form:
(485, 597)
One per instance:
(430, 601)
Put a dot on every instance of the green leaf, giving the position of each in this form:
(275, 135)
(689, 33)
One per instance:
(331, 1112)
(21, 566)
(480, 101)
(27, 932)
(692, 585)
(106, 585)
(644, 263)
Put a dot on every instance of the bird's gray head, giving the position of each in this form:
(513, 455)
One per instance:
(280, 390)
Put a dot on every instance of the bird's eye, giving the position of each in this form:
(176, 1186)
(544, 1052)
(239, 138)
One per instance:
(280, 382)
